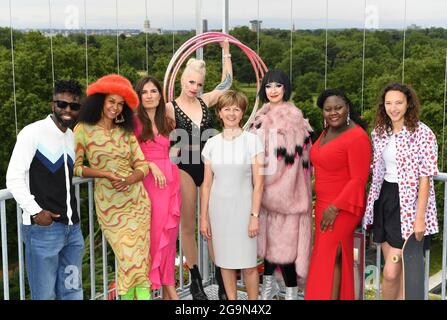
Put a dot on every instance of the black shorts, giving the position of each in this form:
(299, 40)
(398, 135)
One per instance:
(387, 224)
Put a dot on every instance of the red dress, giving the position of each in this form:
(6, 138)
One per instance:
(341, 173)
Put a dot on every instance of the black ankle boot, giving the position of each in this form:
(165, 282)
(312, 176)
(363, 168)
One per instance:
(196, 287)
(221, 292)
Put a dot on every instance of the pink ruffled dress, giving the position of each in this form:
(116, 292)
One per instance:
(166, 205)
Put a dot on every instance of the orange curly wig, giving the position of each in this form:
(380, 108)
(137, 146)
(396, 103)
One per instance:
(115, 84)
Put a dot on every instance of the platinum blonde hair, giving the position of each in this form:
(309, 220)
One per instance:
(195, 65)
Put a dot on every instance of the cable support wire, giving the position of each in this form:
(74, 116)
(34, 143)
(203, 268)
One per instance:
(363, 57)
(258, 30)
(13, 69)
(117, 40)
(51, 41)
(325, 62)
(291, 42)
(173, 28)
(147, 48)
(86, 44)
(404, 41)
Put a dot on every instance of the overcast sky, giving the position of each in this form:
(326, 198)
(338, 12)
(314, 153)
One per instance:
(305, 14)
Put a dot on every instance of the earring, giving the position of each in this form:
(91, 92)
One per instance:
(120, 118)
(348, 120)
(324, 124)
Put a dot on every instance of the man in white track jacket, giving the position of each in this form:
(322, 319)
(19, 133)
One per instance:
(39, 177)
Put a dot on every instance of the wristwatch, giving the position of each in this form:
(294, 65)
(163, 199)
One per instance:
(34, 216)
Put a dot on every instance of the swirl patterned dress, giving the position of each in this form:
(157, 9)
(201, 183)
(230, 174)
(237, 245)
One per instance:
(124, 217)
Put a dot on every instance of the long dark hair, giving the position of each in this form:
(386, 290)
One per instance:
(92, 109)
(383, 123)
(163, 124)
(341, 94)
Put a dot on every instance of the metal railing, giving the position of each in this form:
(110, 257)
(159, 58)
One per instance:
(204, 261)
(93, 230)
(377, 267)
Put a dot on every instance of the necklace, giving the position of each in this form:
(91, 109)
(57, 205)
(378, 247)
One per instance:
(231, 137)
(107, 131)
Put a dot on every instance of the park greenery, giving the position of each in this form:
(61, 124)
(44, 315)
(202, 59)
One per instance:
(424, 68)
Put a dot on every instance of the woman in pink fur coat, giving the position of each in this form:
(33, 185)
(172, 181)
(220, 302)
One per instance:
(284, 237)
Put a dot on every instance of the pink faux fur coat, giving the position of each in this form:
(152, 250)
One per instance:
(286, 212)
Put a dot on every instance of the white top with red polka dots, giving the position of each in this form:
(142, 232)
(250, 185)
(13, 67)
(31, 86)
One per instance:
(417, 155)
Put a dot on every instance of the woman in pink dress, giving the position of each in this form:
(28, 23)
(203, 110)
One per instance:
(152, 129)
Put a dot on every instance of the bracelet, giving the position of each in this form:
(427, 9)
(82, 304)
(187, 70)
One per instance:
(254, 214)
(227, 55)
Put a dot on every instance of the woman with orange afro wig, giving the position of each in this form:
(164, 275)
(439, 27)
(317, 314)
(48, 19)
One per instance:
(105, 137)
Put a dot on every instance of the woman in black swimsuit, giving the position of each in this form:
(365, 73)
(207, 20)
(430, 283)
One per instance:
(188, 148)
(192, 121)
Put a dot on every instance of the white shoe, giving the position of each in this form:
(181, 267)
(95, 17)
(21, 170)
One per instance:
(270, 288)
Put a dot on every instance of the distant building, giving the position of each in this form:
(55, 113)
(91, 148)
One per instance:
(414, 27)
(205, 25)
(147, 25)
(147, 28)
(255, 25)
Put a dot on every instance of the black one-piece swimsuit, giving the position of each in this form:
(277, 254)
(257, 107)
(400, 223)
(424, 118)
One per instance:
(193, 165)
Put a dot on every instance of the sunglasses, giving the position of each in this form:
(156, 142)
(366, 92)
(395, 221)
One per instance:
(64, 104)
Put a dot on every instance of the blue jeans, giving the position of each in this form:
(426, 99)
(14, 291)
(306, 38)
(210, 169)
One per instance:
(54, 261)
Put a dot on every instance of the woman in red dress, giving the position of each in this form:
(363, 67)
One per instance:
(341, 157)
